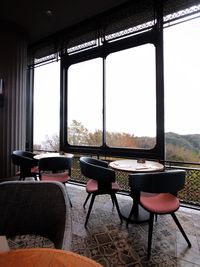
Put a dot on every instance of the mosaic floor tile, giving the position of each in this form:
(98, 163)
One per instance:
(114, 245)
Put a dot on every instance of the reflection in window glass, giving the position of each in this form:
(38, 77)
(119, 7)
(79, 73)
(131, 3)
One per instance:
(131, 98)
(182, 94)
(46, 107)
(85, 103)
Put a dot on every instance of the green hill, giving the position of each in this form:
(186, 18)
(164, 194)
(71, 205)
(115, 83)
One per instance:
(183, 147)
(190, 141)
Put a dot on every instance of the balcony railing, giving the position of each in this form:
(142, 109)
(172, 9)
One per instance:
(189, 195)
(191, 192)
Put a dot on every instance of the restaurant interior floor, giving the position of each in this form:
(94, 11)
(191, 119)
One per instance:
(112, 244)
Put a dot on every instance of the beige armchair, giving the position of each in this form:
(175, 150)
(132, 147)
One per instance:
(36, 208)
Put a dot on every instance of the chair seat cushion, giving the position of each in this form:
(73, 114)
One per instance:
(45, 257)
(62, 177)
(35, 169)
(159, 203)
(29, 241)
(92, 186)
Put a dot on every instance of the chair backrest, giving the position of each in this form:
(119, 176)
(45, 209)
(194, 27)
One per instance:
(21, 157)
(55, 164)
(98, 170)
(168, 181)
(39, 208)
(25, 160)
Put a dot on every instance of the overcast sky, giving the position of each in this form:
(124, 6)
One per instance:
(182, 89)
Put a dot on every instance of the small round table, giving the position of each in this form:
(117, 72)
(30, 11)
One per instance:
(52, 154)
(134, 166)
(44, 257)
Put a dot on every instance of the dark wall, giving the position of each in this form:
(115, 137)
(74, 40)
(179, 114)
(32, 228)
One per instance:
(13, 65)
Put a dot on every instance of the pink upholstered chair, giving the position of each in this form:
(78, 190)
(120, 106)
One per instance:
(55, 169)
(158, 195)
(101, 181)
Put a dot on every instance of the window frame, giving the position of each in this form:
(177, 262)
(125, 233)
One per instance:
(153, 37)
(56, 44)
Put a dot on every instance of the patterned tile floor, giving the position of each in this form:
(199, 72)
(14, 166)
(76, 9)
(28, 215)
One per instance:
(114, 245)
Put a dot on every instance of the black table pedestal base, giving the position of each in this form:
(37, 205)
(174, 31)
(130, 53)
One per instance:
(141, 217)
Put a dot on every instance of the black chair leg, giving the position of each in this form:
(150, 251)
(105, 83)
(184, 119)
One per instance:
(70, 202)
(88, 196)
(181, 229)
(90, 208)
(68, 197)
(114, 200)
(130, 215)
(150, 235)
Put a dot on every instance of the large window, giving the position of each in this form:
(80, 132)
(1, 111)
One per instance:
(85, 100)
(111, 100)
(46, 116)
(182, 91)
(131, 98)
(112, 93)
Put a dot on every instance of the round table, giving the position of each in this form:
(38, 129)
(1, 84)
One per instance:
(53, 154)
(44, 257)
(134, 166)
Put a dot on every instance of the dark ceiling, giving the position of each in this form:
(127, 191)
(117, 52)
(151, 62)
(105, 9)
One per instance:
(42, 18)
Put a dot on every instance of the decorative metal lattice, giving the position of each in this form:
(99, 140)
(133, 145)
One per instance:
(130, 31)
(81, 47)
(181, 13)
(190, 194)
(45, 59)
(76, 175)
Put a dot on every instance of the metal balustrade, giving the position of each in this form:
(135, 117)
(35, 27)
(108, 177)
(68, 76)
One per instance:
(190, 194)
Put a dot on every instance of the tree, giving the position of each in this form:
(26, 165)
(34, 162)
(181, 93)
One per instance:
(120, 140)
(95, 139)
(183, 148)
(51, 143)
(78, 134)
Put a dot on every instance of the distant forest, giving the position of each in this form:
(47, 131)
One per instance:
(183, 148)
